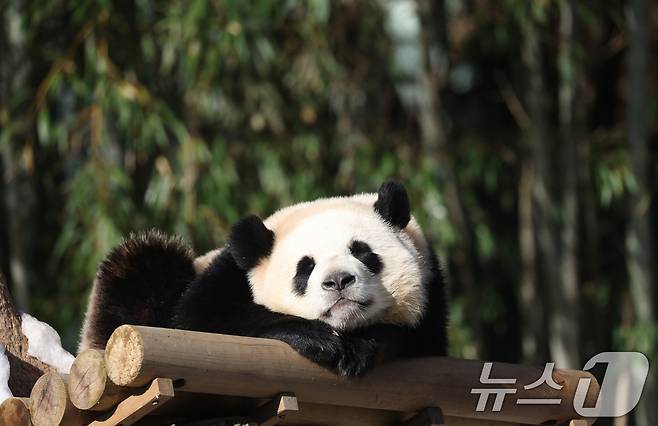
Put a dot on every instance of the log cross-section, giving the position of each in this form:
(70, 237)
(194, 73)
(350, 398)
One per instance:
(88, 385)
(15, 412)
(50, 404)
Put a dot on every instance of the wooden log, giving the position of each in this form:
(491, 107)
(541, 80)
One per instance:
(15, 412)
(136, 407)
(50, 405)
(88, 385)
(262, 368)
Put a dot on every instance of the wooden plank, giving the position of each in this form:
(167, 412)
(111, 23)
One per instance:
(136, 407)
(329, 415)
(260, 368)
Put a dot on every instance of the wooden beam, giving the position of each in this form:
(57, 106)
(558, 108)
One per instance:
(262, 368)
(88, 385)
(136, 407)
(319, 414)
(274, 411)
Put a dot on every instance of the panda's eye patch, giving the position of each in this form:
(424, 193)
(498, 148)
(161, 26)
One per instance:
(304, 268)
(365, 255)
(359, 247)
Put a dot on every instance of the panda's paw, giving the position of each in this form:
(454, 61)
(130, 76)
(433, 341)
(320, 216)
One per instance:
(357, 356)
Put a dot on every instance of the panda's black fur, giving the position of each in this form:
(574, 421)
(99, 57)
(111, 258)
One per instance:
(140, 282)
(150, 280)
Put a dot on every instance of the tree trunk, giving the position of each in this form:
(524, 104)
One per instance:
(564, 327)
(555, 235)
(543, 206)
(24, 369)
(531, 307)
(16, 187)
(434, 140)
(638, 235)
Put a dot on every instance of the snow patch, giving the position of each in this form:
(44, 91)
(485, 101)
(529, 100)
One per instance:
(4, 376)
(44, 344)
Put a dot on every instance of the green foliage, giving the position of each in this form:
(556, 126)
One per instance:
(184, 116)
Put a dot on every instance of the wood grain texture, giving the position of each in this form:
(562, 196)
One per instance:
(273, 412)
(136, 407)
(262, 368)
(50, 405)
(15, 412)
(88, 385)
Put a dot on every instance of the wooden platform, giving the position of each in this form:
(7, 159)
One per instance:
(166, 377)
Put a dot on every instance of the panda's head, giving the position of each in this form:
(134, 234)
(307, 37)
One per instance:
(347, 261)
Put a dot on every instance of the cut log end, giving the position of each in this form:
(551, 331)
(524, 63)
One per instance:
(124, 355)
(48, 400)
(50, 404)
(88, 385)
(15, 412)
(87, 379)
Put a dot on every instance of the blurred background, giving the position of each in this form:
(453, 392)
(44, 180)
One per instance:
(525, 131)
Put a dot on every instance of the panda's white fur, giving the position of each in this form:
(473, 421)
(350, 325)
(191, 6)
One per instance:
(323, 229)
(345, 281)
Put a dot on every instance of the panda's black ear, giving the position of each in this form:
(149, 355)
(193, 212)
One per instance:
(250, 241)
(393, 204)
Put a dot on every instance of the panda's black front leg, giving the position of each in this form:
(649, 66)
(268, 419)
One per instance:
(220, 301)
(345, 354)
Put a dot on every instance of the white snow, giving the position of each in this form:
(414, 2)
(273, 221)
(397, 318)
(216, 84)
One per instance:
(44, 344)
(4, 375)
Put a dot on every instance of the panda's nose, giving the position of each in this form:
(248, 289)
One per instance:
(338, 281)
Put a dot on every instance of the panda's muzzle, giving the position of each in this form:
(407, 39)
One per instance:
(343, 301)
(338, 281)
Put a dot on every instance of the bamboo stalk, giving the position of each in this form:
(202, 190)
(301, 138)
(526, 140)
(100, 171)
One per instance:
(261, 368)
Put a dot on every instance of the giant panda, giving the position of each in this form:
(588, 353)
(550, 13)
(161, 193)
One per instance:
(346, 281)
